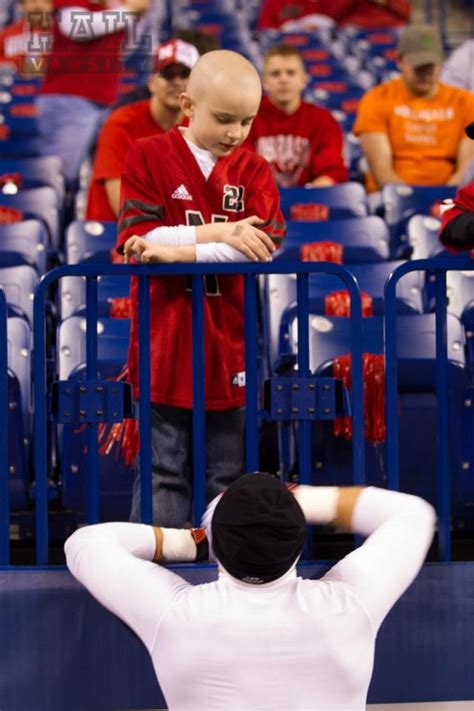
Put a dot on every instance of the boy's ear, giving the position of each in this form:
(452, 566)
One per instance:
(187, 104)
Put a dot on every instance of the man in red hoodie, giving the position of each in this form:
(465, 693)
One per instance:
(302, 143)
(362, 13)
(457, 227)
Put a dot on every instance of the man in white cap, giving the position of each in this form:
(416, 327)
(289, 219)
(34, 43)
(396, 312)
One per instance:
(260, 636)
(174, 61)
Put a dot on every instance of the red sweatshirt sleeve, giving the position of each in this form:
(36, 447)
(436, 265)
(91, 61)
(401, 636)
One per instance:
(327, 150)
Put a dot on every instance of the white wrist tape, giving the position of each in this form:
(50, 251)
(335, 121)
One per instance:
(178, 544)
(319, 503)
(176, 236)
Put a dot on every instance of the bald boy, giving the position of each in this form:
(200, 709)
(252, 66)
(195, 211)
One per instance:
(193, 194)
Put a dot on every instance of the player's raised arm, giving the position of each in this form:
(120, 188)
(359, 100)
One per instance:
(399, 529)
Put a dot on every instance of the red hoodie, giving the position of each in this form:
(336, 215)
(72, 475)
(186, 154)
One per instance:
(463, 202)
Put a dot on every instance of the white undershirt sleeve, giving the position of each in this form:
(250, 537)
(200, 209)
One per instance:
(175, 236)
(114, 562)
(218, 252)
(82, 25)
(400, 528)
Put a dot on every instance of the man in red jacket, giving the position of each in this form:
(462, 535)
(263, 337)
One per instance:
(302, 143)
(457, 228)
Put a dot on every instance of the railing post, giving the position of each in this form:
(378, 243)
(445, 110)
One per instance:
(251, 382)
(199, 427)
(146, 503)
(93, 508)
(442, 434)
(4, 478)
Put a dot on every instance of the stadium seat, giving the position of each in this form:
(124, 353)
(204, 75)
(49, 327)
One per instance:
(343, 200)
(364, 239)
(19, 284)
(332, 456)
(24, 243)
(401, 202)
(279, 294)
(73, 294)
(89, 240)
(20, 147)
(115, 477)
(39, 204)
(19, 410)
(460, 292)
(423, 236)
(35, 172)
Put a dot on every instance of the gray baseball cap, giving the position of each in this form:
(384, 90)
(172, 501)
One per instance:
(420, 45)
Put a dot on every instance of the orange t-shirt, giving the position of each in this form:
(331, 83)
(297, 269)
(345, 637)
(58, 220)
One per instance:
(424, 133)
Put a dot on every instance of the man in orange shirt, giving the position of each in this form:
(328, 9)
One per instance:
(138, 120)
(25, 43)
(412, 128)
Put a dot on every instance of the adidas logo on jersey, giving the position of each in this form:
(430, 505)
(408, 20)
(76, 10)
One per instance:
(181, 193)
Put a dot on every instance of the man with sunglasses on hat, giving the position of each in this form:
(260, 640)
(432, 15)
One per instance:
(140, 119)
(260, 636)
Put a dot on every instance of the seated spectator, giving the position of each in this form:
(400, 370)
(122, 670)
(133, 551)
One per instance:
(457, 227)
(82, 77)
(138, 120)
(274, 13)
(412, 128)
(458, 70)
(25, 44)
(203, 41)
(302, 142)
(362, 13)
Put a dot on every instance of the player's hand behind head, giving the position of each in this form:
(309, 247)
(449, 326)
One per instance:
(247, 238)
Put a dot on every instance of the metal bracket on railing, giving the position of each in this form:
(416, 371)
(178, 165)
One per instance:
(313, 398)
(90, 401)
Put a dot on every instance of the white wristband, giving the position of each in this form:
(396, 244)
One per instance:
(176, 236)
(178, 544)
(319, 503)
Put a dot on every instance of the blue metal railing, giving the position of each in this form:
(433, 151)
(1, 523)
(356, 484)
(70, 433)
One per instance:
(250, 272)
(197, 271)
(4, 494)
(440, 266)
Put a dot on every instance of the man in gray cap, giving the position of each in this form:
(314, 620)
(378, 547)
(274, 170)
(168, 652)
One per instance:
(412, 128)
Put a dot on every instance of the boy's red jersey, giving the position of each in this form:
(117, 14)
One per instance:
(162, 184)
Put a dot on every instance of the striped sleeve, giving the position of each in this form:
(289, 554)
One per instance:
(263, 200)
(141, 204)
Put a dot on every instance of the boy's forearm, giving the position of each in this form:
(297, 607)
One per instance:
(328, 505)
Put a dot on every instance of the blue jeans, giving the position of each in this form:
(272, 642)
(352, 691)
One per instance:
(68, 126)
(171, 454)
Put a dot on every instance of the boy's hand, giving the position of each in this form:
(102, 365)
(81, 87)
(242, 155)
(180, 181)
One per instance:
(134, 247)
(245, 236)
(147, 253)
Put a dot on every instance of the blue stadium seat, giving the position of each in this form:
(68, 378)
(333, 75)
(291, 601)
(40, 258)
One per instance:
(36, 172)
(460, 292)
(365, 239)
(89, 240)
(332, 457)
(403, 201)
(39, 204)
(21, 147)
(20, 126)
(73, 294)
(423, 236)
(19, 284)
(19, 411)
(344, 200)
(279, 294)
(116, 478)
(24, 243)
